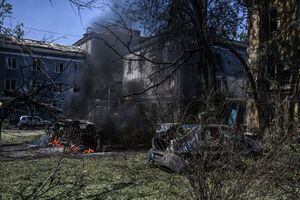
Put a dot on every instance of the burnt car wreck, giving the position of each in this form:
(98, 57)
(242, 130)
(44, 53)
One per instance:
(174, 144)
(79, 135)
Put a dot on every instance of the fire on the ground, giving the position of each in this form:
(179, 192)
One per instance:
(75, 136)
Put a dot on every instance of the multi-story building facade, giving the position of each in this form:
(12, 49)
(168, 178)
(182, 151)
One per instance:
(28, 65)
(178, 86)
(104, 52)
(48, 69)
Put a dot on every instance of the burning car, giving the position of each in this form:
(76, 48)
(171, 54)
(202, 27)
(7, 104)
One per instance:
(78, 135)
(174, 143)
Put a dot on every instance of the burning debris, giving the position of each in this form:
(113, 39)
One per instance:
(88, 151)
(56, 142)
(76, 136)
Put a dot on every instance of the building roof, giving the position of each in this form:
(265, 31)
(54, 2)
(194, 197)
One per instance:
(9, 40)
(105, 35)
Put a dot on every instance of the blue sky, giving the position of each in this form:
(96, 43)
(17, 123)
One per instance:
(58, 18)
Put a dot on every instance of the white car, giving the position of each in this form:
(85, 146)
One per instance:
(32, 121)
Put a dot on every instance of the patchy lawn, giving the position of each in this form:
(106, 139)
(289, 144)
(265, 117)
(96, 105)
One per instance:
(16, 136)
(100, 177)
(114, 177)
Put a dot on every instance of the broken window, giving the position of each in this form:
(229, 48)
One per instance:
(11, 63)
(10, 84)
(59, 67)
(273, 20)
(58, 87)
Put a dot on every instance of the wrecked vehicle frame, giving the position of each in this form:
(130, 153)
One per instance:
(174, 143)
(81, 133)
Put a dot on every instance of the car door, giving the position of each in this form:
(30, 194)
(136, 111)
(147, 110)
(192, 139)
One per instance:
(30, 121)
(37, 121)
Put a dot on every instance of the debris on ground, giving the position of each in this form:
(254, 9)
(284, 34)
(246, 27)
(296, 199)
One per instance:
(173, 143)
(77, 136)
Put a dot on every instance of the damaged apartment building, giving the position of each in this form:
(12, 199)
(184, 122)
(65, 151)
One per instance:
(92, 77)
(101, 84)
(28, 66)
(178, 86)
(113, 73)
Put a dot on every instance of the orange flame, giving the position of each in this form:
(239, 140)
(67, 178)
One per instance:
(56, 142)
(88, 151)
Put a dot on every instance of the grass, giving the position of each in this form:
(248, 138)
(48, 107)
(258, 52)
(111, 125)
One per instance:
(120, 177)
(105, 177)
(116, 177)
(9, 137)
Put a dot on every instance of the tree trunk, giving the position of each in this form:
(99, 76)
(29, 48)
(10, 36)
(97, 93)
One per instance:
(0, 133)
(208, 86)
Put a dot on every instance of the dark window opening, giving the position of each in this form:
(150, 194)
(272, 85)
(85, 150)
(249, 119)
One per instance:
(36, 65)
(59, 67)
(11, 63)
(10, 84)
(58, 87)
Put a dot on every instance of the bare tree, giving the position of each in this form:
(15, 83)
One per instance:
(216, 173)
(41, 96)
(194, 28)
